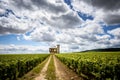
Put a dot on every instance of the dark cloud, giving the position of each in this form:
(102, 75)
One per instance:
(44, 4)
(40, 4)
(89, 37)
(112, 19)
(13, 26)
(23, 4)
(48, 37)
(103, 42)
(66, 21)
(109, 7)
(45, 35)
(7, 30)
(104, 4)
(115, 46)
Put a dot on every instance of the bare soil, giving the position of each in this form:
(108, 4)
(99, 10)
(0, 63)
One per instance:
(42, 74)
(63, 72)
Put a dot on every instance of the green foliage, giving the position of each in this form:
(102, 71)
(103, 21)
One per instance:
(14, 66)
(51, 70)
(94, 65)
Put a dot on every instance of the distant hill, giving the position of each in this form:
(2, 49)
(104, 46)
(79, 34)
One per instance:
(104, 50)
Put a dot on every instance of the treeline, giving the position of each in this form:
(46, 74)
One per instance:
(104, 50)
(14, 66)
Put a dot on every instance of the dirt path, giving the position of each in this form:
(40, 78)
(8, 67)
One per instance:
(43, 71)
(63, 73)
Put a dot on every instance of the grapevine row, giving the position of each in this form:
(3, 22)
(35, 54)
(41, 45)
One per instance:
(94, 66)
(14, 66)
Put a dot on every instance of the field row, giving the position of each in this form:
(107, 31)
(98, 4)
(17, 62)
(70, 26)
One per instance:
(14, 66)
(94, 65)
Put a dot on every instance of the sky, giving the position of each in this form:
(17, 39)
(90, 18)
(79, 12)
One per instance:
(32, 26)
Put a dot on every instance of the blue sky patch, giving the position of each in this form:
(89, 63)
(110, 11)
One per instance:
(68, 2)
(7, 12)
(110, 27)
(85, 16)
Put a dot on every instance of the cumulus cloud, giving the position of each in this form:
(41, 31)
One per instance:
(12, 48)
(42, 33)
(23, 4)
(115, 33)
(69, 20)
(54, 22)
(102, 4)
(82, 6)
(88, 32)
(2, 11)
(107, 11)
(14, 25)
(50, 6)
(106, 5)
(23, 15)
(112, 19)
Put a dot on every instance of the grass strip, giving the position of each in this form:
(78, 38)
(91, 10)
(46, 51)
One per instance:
(51, 70)
(34, 72)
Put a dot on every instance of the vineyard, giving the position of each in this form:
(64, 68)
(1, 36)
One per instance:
(78, 66)
(94, 65)
(13, 66)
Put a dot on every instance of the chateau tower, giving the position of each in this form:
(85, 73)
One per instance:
(55, 50)
(58, 49)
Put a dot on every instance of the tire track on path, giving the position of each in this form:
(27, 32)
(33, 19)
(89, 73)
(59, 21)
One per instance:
(63, 72)
(43, 71)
